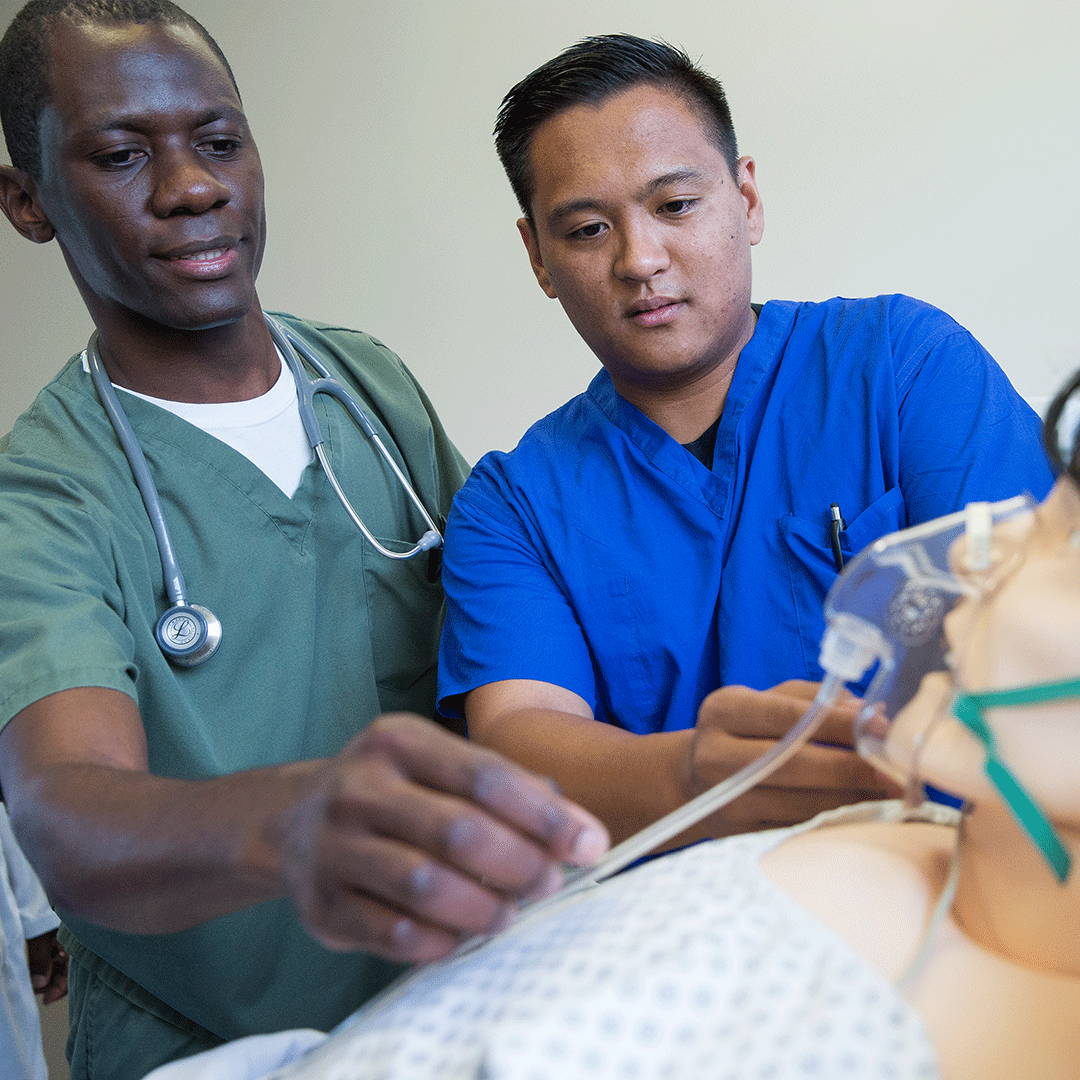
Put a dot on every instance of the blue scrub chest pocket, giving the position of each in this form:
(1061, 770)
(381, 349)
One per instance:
(807, 549)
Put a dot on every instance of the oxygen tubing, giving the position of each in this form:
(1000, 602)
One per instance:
(648, 839)
(708, 802)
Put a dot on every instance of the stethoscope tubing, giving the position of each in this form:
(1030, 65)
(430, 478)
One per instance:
(173, 628)
(170, 568)
(290, 345)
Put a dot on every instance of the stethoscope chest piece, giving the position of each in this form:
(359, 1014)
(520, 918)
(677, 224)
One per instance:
(188, 634)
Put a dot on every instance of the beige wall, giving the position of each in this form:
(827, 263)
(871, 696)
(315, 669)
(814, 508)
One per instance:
(924, 146)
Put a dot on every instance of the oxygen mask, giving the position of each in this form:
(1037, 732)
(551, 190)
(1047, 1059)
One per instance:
(893, 600)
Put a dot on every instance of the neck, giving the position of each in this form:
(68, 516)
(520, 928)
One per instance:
(686, 412)
(684, 408)
(1010, 902)
(234, 362)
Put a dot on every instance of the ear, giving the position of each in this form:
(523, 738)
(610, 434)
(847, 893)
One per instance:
(532, 246)
(755, 212)
(19, 202)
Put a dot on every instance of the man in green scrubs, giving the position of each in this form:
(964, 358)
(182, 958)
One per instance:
(252, 843)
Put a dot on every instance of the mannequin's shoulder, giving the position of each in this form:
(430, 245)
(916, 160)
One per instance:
(873, 883)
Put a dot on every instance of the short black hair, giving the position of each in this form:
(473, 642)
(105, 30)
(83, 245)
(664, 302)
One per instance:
(1052, 438)
(591, 71)
(24, 60)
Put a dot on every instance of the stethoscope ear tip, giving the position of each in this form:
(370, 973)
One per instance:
(430, 539)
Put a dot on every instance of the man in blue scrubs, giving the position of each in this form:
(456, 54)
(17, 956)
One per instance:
(657, 551)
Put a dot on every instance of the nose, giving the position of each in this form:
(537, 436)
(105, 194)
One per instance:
(641, 252)
(185, 183)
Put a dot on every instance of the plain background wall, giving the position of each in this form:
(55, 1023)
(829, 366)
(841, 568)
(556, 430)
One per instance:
(922, 146)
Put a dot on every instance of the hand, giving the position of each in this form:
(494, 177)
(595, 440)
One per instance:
(736, 725)
(48, 967)
(414, 838)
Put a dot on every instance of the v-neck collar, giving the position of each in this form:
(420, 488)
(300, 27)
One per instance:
(181, 443)
(713, 486)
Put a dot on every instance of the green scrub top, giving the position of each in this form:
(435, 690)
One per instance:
(320, 633)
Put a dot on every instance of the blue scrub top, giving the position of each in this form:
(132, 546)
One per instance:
(603, 557)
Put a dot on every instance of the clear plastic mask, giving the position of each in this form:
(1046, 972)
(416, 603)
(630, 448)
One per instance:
(901, 587)
(894, 597)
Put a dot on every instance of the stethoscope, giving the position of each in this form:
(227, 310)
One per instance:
(189, 633)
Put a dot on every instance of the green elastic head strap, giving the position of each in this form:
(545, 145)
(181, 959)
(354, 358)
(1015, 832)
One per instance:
(968, 709)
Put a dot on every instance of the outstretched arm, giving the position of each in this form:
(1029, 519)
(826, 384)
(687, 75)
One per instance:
(630, 780)
(407, 839)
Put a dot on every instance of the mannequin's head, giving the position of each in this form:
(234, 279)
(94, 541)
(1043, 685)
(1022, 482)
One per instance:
(1021, 628)
(1023, 631)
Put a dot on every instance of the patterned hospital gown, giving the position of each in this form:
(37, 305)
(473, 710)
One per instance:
(693, 965)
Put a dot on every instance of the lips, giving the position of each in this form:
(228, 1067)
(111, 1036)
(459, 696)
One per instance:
(203, 259)
(655, 310)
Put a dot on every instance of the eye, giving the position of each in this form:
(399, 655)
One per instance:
(221, 145)
(118, 159)
(587, 232)
(675, 207)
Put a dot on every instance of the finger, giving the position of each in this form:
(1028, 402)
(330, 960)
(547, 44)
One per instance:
(363, 923)
(528, 803)
(837, 728)
(386, 897)
(39, 959)
(452, 831)
(825, 768)
(806, 691)
(831, 768)
(803, 689)
(770, 714)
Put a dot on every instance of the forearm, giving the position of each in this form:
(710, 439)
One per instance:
(630, 780)
(405, 840)
(626, 780)
(148, 854)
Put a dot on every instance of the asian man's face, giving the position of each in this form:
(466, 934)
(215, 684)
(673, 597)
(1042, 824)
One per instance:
(643, 235)
(150, 178)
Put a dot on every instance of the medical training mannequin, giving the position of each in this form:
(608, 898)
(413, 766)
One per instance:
(1000, 989)
(789, 954)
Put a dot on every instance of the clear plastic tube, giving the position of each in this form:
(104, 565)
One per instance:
(708, 802)
(651, 837)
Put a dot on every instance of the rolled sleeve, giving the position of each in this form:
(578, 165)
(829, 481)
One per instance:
(507, 615)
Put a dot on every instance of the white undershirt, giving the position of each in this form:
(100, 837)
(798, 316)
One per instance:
(267, 430)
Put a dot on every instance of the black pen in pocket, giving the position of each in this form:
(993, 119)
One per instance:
(837, 526)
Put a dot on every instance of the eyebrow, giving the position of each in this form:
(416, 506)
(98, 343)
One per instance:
(138, 121)
(680, 175)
